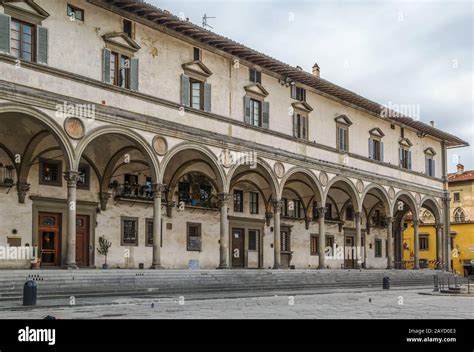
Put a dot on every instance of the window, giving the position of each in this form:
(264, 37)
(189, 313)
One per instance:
(128, 27)
(405, 158)
(119, 70)
(300, 126)
(329, 241)
(50, 172)
(197, 95)
(343, 138)
(22, 41)
(456, 197)
(253, 202)
(129, 231)
(424, 242)
(378, 248)
(196, 54)
(75, 13)
(328, 215)
(350, 213)
(255, 76)
(297, 209)
(254, 236)
(255, 112)
(459, 215)
(315, 210)
(149, 232)
(314, 244)
(430, 166)
(238, 201)
(285, 240)
(298, 93)
(375, 149)
(84, 176)
(193, 239)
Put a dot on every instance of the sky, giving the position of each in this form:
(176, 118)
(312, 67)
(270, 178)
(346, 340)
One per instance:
(414, 54)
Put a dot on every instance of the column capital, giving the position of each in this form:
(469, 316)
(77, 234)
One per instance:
(438, 226)
(322, 212)
(223, 198)
(71, 178)
(158, 189)
(22, 188)
(277, 205)
(104, 198)
(357, 216)
(415, 223)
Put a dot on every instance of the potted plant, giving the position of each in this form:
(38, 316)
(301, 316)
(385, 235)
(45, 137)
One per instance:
(103, 249)
(7, 181)
(114, 185)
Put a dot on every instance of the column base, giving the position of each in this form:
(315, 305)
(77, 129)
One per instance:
(276, 266)
(389, 266)
(156, 266)
(416, 268)
(223, 266)
(321, 267)
(70, 266)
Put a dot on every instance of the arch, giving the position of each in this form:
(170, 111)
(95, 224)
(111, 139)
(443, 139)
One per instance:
(353, 194)
(52, 126)
(257, 187)
(409, 200)
(311, 177)
(381, 194)
(140, 142)
(432, 205)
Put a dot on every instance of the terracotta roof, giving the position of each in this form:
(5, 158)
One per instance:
(165, 19)
(465, 176)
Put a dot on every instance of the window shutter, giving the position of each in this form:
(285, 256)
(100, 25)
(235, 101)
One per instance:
(295, 125)
(42, 45)
(293, 92)
(400, 156)
(371, 149)
(247, 109)
(259, 77)
(427, 166)
(207, 97)
(134, 74)
(265, 114)
(306, 126)
(185, 87)
(106, 66)
(4, 33)
(409, 160)
(433, 168)
(251, 75)
(381, 151)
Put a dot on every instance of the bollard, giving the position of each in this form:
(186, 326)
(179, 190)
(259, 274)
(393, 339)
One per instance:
(29, 293)
(386, 283)
(436, 283)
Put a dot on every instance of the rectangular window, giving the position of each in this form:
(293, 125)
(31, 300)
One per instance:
(405, 158)
(84, 176)
(193, 239)
(298, 93)
(456, 197)
(430, 167)
(285, 241)
(128, 27)
(254, 240)
(197, 94)
(297, 209)
(238, 201)
(50, 172)
(301, 126)
(349, 213)
(196, 54)
(149, 232)
(119, 70)
(328, 215)
(284, 210)
(314, 245)
(22, 43)
(378, 248)
(75, 13)
(253, 202)
(329, 241)
(375, 149)
(256, 113)
(255, 76)
(343, 138)
(424, 241)
(129, 231)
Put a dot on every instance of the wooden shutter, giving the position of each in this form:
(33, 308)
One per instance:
(427, 166)
(295, 125)
(409, 160)
(381, 151)
(433, 168)
(265, 114)
(306, 126)
(371, 149)
(207, 97)
(134, 74)
(185, 90)
(259, 76)
(42, 45)
(400, 157)
(293, 92)
(106, 65)
(247, 109)
(5, 33)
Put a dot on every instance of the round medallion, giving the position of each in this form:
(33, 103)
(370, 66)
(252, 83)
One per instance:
(279, 169)
(160, 145)
(391, 193)
(360, 186)
(418, 198)
(74, 128)
(226, 158)
(323, 178)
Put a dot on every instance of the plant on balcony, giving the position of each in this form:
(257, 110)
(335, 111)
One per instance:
(114, 185)
(8, 181)
(103, 249)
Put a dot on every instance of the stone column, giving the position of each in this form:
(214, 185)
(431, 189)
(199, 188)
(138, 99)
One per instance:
(71, 178)
(416, 244)
(389, 243)
(439, 245)
(358, 240)
(277, 204)
(224, 235)
(158, 188)
(322, 237)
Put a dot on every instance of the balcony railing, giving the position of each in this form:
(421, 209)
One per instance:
(133, 192)
(6, 175)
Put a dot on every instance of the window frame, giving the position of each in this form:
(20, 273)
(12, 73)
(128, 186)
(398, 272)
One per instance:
(199, 54)
(116, 70)
(238, 207)
(255, 76)
(345, 140)
(253, 103)
(33, 43)
(42, 162)
(193, 81)
(313, 244)
(86, 185)
(302, 125)
(122, 231)
(199, 227)
(256, 242)
(253, 203)
(457, 195)
(378, 248)
(287, 242)
(422, 239)
(75, 9)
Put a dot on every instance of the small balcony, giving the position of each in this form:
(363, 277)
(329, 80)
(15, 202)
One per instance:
(133, 192)
(6, 175)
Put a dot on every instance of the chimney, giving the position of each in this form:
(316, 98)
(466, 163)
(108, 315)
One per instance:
(460, 168)
(432, 123)
(316, 70)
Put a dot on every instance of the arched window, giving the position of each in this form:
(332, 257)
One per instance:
(459, 215)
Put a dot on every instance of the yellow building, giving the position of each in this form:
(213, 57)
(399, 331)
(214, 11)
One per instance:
(461, 188)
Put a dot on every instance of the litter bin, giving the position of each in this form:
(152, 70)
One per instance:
(386, 283)
(29, 293)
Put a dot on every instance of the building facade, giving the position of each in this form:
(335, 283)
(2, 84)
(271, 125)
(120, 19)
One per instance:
(186, 149)
(461, 188)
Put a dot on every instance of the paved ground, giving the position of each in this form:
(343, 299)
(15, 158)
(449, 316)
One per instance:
(342, 304)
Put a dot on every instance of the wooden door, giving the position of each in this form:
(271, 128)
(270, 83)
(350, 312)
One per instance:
(49, 225)
(238, 248)
(349, 254)
(82, 240)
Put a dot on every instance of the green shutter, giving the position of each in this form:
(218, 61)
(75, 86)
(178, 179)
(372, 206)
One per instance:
(106, 65)
(295, 125)
(371, 149)
(381, 151)
(4, 33)
(306, 127)
(409, 160)
(247, 109)
(266, 114)
(42, 45)
(134, 74)
(293, 91)
(185, 90)
(207, 97)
